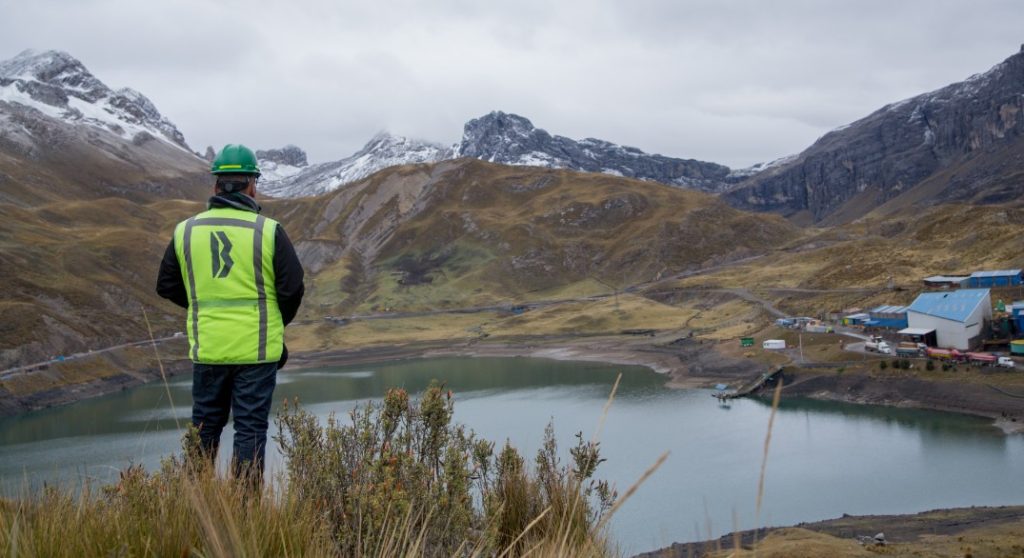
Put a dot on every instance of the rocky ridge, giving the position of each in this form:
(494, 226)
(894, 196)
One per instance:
(504, 138)
(510, 139)
(279, 164)
(283, 178)
(928, 140)
(59, 86)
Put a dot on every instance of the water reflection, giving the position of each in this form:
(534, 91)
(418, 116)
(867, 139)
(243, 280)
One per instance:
(826, 458)
(934, 428)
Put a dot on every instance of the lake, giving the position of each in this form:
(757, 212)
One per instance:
(825, 459)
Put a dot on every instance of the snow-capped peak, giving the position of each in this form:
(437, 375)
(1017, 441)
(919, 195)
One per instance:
(509, 139)
(382, 151)
(60, 86)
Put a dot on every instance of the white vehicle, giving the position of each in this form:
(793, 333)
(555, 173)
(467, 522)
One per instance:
(1006, 362)
(773, 344)
(876, 345)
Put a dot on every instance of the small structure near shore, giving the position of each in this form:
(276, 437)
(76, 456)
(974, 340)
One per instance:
(750, 387)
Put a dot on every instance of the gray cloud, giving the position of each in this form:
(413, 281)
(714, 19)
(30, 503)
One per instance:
(726, 81)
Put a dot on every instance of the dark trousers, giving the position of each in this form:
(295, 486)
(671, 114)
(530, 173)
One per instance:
(245, 390)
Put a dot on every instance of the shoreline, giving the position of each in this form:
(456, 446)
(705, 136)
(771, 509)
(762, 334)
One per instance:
(686, 363)
(899, 529)
(692, 365)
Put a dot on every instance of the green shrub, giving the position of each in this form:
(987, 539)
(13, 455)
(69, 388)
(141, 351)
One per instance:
(929, 366)
(882, 365)
(405, 461)
(397, 479)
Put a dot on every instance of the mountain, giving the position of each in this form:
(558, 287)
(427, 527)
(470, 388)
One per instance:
(58, 85)
(66, 134)
(288, 179)
(444, 235)
(513, 140)
(503, 138)
(278, 164)
(466, 232)
(91, 180)
(960, 143)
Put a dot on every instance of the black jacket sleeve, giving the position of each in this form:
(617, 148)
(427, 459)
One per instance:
(169, 283)
(288, 276)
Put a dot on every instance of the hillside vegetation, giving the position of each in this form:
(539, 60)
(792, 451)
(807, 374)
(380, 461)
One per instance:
(449, 235)
(397, 478)
(469, 233)
(879, 251)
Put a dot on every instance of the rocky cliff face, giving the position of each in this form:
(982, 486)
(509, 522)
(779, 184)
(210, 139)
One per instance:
(924, 139)
(513, 140)
(288, 155)
(277, 165)
(508, 139)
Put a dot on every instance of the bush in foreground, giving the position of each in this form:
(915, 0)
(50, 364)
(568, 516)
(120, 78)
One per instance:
(398, 478)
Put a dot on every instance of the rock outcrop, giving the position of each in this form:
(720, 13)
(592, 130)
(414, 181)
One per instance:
(59, 86)
(288, 155)
(931, 138)
(510, 139)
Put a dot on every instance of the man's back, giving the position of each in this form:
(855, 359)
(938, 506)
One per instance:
(227, 256)
(237, 274)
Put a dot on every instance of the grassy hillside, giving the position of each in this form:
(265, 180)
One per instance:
(76, 275)
(592, 254)
(450, 235)
(906, 247)
(468, 233)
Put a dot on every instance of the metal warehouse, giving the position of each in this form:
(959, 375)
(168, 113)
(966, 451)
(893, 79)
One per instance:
(946, 281)
(889, 317)
(997, 278)
(959, 318)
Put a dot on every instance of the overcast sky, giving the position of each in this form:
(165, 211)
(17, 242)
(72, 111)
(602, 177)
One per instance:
(730, 82)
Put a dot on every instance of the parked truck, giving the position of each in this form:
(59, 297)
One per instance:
(773, 344)
(910, 350)
(877, 345)
(944, 354)
(1006, 362)
(982, 359)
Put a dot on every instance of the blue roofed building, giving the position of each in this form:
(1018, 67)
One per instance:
(960, 318)
(997, 278)
(1016, 311)
(887, 317)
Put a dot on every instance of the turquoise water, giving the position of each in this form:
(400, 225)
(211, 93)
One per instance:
(825, 459)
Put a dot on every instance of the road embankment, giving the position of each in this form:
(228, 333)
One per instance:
(1003, 406)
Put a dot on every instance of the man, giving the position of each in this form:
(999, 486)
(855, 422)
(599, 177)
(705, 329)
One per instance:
(237, 274)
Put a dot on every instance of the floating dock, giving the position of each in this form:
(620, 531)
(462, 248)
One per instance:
(750, 387)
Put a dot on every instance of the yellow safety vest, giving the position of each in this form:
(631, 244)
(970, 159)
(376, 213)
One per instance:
(227, 261)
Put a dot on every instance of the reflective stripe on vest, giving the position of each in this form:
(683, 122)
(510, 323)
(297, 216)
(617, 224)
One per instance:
(227, 263)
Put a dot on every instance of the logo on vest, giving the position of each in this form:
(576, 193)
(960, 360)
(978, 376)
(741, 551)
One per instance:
(220, 247)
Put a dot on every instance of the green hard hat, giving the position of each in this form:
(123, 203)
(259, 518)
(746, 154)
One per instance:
(235, 159)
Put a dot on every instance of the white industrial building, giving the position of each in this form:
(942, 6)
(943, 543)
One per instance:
(958, 318)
